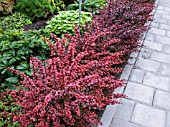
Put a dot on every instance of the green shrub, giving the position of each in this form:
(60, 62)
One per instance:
(39, 8)
(65, 21)
(16, 48)
(89, 5)
(14, 21)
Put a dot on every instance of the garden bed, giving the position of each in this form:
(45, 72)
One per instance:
(66, 72)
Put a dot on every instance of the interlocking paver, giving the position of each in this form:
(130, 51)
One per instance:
(124, 111)
(168, 34)
(153, 45)
(163, 12)
(137, 75)
(164, 27)
(154, 24)
(168, 119)
(123, 123)
(162, 99)
(162, 39)
(167, 8)
(160, 7)
(160, 57)
(150, 37)
(156, 81)
(166, 17)
(165, 69)
(157, 31)
(145, 53)
(147, 64)
(159, 20)
(135, 91)
(158, 15)
(148, 116)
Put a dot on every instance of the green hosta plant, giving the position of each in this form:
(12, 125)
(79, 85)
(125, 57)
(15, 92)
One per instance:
(16, 48)
(65, 21)
(14, 21)
(6, 6)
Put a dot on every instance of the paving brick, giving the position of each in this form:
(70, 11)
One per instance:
(157, 31)
(137, 75)
(134, 54)
(167, 8)
(154, 24)
(168, 33)
(166, 17)
(156, 81)
(165, 69)
(160, 20)
(145, 53)
(126, 73)
(147, 64)
(135, 91)
(124, 110)
(131, 61)
(160, 57)
(153, 45)
(108, 115)
(163, 12)
(148, 116)
(166, 49)
(162, 99)
(157, 15)
(168, 120)
(150, 37)
(164, 27)
(163, 40)
(123, 123)
(160, 7)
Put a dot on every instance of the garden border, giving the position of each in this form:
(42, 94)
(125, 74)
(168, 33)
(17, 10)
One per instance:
(110, 110)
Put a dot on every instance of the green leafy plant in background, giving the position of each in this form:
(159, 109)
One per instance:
(16, 47)
(14, 21)
(6, 6)
(39, 8)
(65, 21)
(89, 5)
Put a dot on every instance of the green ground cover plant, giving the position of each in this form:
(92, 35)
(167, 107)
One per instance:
(65, 21)
(37, 9)
(15, 21)
(16, 48)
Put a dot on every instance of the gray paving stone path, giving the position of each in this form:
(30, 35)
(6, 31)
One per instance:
(148, 75)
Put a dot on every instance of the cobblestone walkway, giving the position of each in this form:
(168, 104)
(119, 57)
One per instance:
(148, 87)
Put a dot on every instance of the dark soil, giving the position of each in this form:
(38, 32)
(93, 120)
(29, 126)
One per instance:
(39, 24)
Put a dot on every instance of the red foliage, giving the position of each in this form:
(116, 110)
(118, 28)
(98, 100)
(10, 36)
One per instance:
(126, 18)
(63, 90)
(78, 80)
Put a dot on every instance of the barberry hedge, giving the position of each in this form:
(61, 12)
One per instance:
(79, 79)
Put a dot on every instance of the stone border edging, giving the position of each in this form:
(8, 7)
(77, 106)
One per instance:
(111, 109)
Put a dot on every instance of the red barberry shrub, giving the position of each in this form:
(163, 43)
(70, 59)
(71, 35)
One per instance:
(127, 19)
(67, 89)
